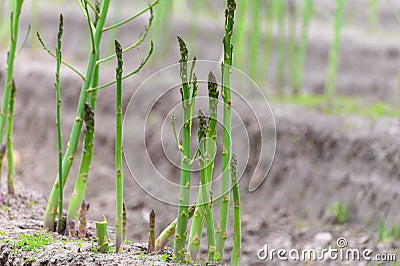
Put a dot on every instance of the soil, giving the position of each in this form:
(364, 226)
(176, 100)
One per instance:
(320, 158)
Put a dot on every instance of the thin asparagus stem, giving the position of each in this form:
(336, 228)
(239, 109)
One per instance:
(142, 64)
(226, 136)
(237, 234)
(136, 44)
(101, 236)
(116, 25)
(184, 194)
(76, 71)
(82, 219)
(118, 149)
(10, 150)
(69, 155)
(166, 235)
(8, 81)
(152, 223)
(58, 113)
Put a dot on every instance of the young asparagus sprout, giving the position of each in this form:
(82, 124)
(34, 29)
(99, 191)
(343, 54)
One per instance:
(58, 114)
(152, 223)
(226, 137)
(82, 219)
(51, 209)
(10, 150)
(101, 236)
(237, 235)
(72, 229)
(184, 193)
(166, 235)
(118, 150)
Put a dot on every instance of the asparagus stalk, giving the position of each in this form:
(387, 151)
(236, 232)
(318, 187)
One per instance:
(202, 197)
(237, 235)
(3, 149)
(333, 53)
(184, 194)
(69, 155)
(152, 223)
(207, 150)
(118, 150)
(10, 151)
(101, 236)
(8, 81)
(78, 193)
(58, 114)
(226, 137)
(166, 235)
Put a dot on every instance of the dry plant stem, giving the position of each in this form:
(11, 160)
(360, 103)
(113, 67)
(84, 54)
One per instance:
(101, 236)
(152, 223)
(10, 151)
(226, 137)
(237, 234)
(82, 219)
(166, 235)
(58, 114)
(8, 81)
(51, 208)
(333, 54)
(118, 151)
(184, 193)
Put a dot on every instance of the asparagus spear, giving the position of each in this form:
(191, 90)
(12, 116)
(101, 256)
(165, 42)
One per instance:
(152, 223)
(237, 235)
(10, 151)
(101, 236)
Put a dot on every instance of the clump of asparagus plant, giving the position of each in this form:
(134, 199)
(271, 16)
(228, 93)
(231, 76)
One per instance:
(188, 92)
(152, 223)
(86, 108)
(226, 136)
(9, 86)
(101, 236)
(333, 54)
